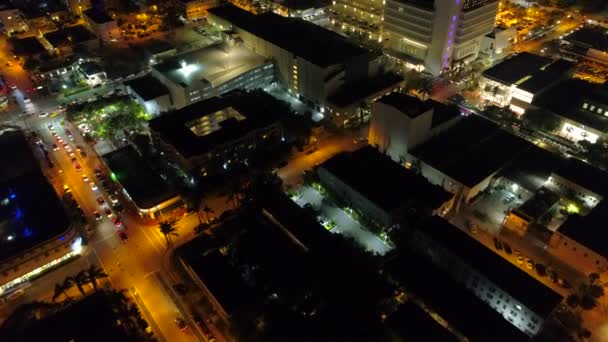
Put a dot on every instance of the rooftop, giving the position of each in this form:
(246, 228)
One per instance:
(90, 68)
(471, 150)
(589, 37)
(512, 70)
(590, 231)
(305, 4)
(245, 113)
(392, 187)
(99, 17)
(353, 93)
(144, 186)
(158, 46)
(30, 211)
(413, 324)
(468, 314)
(306, 40)
(69, 35)
(524, 288)
(538, 205)
(147, 87)
(567, 97)
(407, 104)
(212, 65)
(91, 318)
(583, 174)
(27, 46)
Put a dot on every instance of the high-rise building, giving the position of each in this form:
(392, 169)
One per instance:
(437, 34)
(358, 18)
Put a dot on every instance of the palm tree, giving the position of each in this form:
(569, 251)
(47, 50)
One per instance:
(80, 279)
(94, 273)
(167, 228)
(207, 211)
(62, 288)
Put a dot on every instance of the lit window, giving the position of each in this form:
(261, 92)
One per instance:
(585, 105)
(592, 108)
(600, 110)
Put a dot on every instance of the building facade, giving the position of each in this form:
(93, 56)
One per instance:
(12, 20)
(438, 35)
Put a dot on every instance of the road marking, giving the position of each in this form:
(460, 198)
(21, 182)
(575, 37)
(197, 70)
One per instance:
(143, 229)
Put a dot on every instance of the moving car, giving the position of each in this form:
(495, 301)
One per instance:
(109, 212)
(116, 222)
(100, 201)
(93, 186)
(97, 215)
(181, 324)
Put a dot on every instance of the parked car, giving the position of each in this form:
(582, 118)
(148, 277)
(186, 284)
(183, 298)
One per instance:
(507, 248)
(497, 244)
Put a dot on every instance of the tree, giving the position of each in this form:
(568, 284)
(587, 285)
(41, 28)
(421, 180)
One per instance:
(94, 273)
(168, 229)
(80, 279)
(62, 289)
(541, 120)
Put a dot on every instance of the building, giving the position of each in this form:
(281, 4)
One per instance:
(400, 122)
(209, 135)
(311, 10)
(498, 41)
(448, 301)
(537, 208)
(213, 71)
(580, 241)
(312, 62)
(351, 104)
(386, 199)
(66, 41)
(522, 300)
(93, 73)
(519, 80)
(12, 21)
(102, 24)
(150, 194)
(412, 323)
(464, 158)
(581, 106)
(195, 10)
(361, 19)
(437, 35)
(158, 50)
(590, 43)
(27, 47)
(36, 233)
(150, 93)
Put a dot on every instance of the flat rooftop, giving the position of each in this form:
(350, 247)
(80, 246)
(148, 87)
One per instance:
(244, 112)
(590, 231)
(512, 70)
(353, 93)
(90, 68)
(213, 65)
(147, 87)
(530, 292)
(69, 35)
(589, 37)
(471, 150)
(99, 17)
(407, 104)
(470, 315)
(306, 40)
(413, 324)
(90, 318)
(144, 186)
(30, 210)
(567, 98)
(27, 46)
(390, 186)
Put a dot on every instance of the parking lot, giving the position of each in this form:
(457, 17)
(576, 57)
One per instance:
(336, 220)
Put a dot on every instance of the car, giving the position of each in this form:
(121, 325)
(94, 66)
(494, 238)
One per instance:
(97, 215)
(529, 264)
(52, 128)
(74, 160)
(181, 324)
(67, 132)
(66, 189)
(520, 259)
(497, 244)
(43, 114)
(78, 148)
(85, 178)
(101, 201)
(507, 248)
(83, 154)
(116, 222)
(26, 99)
(108, 213)
(118, 208)
(540, 270)
(113, 198)
(93, 186)
(55, 147)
